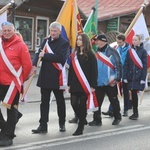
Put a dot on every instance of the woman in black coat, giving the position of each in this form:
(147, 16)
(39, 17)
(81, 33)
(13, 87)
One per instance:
(88, 64)
(135, 70)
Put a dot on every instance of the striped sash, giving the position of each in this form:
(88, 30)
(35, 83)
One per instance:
(16, 82)
(135, 58)
(92, 104)
(60, 68)
(100, 56)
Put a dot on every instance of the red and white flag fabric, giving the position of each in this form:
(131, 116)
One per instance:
(141, 29)
(3, 18)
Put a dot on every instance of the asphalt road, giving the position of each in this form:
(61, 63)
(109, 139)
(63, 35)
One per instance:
(128, 135)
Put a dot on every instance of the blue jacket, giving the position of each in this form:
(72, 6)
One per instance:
(123, 52)
(105, 72)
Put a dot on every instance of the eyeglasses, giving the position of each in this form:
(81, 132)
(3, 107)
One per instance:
(7, 23)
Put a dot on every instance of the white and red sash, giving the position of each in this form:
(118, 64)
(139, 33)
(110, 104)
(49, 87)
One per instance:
(105, 60)
(16, 82)
(92, 104)
(135, 58)
(61, 69)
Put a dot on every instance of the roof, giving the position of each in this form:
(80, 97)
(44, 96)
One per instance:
(106, 8)
(17, 2)
(110, 8)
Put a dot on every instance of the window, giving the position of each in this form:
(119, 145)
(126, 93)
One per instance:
(25, 26)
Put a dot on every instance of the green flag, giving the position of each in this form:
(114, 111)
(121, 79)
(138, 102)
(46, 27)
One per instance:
(90, 27)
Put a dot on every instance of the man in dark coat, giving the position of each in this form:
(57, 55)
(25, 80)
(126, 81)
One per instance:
(53, 53)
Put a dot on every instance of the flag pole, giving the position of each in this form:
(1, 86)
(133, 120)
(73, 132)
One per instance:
(3, 9)
(141, 97)
(93, 9)
(135, 19)
(30, 79)
(96, 15)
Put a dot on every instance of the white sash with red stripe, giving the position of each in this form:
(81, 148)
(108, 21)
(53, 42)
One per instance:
(62, 70)
(135, 58)
(92, 104)
(104, 59)
(15, 84)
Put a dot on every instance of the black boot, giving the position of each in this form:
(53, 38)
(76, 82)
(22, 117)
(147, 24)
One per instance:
(86, 122)
(79, 130)
(74, 120)
(130, 104)
(2, 124)
(135, 115)
(19, 116)
(108, 113)
(12, 115)
(40, 129)
(3, 129)
(6, 141)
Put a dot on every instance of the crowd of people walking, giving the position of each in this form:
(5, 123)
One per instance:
(91, 77)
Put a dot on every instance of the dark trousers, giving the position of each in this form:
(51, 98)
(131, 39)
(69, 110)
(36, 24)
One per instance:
(111, 92)
(78, 103)
(12, 113)
(44, 106)
(126, 97)
(134, 101)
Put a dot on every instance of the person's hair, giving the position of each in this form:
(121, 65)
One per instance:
(121, 37)
(19, 35)
(138, 36)
(86, 44)
(7, 23)
(56, 24)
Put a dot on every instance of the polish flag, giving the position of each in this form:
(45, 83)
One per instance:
(141, 29)
(3, 18)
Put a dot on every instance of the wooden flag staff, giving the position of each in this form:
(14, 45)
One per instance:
(6, 7)
(142, 94)
(30, 79)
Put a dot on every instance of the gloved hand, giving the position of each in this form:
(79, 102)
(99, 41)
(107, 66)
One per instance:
(142, 82)
(125, 81)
